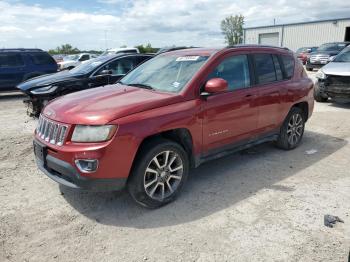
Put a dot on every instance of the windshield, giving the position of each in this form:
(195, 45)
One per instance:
(169, 73)
(89, 65)
(332, 47)
(71, 58)
(344, 56)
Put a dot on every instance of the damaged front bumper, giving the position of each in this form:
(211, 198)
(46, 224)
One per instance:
(334, 88)
(34, 105)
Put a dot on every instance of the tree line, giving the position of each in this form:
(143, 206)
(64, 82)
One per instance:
(231, 28)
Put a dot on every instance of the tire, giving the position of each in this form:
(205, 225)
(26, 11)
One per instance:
(319, 97)
(309, 69)
(165, 180)
(294, 126)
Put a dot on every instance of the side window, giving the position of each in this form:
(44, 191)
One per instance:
(41, 58)
(119, 66)
(11, 60)
(265, 68)
(235, 70)
(288, 63)
(278, 68)
(84, 58)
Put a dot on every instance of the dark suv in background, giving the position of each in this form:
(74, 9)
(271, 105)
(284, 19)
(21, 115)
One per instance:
(17, 65)
(324, 54)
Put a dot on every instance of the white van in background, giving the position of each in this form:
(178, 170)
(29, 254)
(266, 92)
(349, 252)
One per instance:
(114, 51)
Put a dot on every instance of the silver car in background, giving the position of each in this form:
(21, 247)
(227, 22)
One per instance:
(333, 80)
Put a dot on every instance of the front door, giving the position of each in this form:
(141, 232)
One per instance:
(230, 117)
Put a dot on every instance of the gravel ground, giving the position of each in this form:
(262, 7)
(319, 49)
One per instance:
(263, 204)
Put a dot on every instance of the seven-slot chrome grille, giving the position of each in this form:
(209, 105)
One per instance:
(51, 132)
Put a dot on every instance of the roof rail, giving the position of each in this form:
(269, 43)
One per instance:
(254, 45)
(20, 49)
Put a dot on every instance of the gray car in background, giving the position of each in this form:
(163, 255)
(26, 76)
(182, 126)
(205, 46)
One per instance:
(333, 80)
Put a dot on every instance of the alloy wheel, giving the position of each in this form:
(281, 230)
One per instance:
(163, 175)
(295, 129)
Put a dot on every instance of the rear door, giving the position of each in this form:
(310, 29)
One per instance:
(42, 63)
(12, 69)
(230, 117)
(269, 83)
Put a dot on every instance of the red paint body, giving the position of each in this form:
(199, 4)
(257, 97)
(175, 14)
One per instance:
(139, 113)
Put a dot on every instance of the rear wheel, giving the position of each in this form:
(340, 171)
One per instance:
(159, 173)
(292, 130)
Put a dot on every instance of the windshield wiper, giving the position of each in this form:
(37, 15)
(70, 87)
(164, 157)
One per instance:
(141, 86)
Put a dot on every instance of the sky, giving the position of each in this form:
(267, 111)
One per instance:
(101, 24)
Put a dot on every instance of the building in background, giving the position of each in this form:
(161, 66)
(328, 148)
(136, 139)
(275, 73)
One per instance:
(298, 35)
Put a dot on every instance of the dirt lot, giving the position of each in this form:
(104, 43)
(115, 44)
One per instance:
(261, 205)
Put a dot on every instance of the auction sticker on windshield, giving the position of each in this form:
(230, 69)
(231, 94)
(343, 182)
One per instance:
(187, 58)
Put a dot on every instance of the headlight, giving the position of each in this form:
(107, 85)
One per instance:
(320, 74)
(84, 133)
(44, 90)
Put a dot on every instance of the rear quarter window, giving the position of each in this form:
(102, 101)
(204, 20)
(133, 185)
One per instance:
(11, 60)
(41, 59)
(288, 64)
(278, 68)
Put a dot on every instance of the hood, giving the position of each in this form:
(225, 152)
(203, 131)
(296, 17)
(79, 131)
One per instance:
(330, 53)
(101, 105)
(337, 68)
(48, 80)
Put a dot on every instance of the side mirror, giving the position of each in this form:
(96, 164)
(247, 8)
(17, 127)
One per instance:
(215, 86)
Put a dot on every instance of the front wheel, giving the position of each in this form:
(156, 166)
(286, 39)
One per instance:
(319, 96)
(159, 173)
(292, 130)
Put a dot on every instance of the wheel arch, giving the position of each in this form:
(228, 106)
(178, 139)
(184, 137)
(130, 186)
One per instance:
(304, 106)
(182, 136)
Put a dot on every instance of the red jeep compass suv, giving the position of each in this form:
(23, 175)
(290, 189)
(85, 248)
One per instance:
(172, 113)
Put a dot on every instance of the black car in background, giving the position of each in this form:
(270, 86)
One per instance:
(18, 65)
(96, 72)
(324, 54)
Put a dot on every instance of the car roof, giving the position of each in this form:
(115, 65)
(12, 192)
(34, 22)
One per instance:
(121, 49)
(347, 43)
(193, 51)
(211, 51)
(106, 58)
(21, 50)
